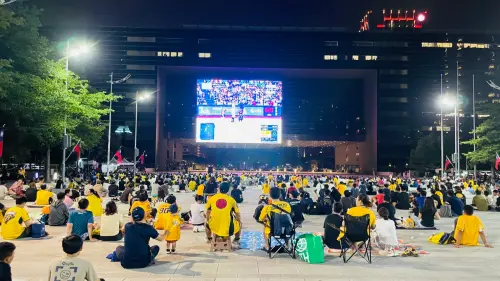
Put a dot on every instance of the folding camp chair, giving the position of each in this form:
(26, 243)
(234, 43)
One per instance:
(284, 236)
(357, 235)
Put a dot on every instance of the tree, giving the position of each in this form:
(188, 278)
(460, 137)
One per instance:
(35, 104)
(427, 154)
(487, 136)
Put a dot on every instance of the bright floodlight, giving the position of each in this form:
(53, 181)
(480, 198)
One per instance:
(446, 101)
(85, 48)
(421, 17)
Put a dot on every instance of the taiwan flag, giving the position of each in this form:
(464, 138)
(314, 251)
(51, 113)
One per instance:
(118, 156)
(497, 161)
(141, 158)
(77, 149)
(447, 163)
(1, 141)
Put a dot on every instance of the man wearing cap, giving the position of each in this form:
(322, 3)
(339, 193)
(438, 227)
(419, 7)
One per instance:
(223, 215)
(136, 253)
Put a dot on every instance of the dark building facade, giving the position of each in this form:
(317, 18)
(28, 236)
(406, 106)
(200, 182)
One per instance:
(407, 64)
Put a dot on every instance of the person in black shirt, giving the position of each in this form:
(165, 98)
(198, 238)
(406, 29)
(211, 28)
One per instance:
(428, 213)
(121, 185)
(113, 189)
(6, 256)
(30, 193)
(403, 200)
(297, 208)
(436, 198)
(237, 194)
(211, 186)
(387, 204)
(332, 224)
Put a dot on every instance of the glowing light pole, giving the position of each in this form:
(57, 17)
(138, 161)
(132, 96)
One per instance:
(138, 98)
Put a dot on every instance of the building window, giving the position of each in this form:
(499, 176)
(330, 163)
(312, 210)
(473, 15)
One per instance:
(437, 44)
(204, 55)
(332, 43)
(170, 54)
(370, 57)
(331, 57)
(175, 155)
(476, 46)
(355, 57)
(141, 53)
(141, 39)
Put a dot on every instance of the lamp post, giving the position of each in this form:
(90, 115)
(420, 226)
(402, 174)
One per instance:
(474, 117)
(442, 131)
(457, 130)
(138, 98)
(445, 101)
(111, 83)
(82, 49)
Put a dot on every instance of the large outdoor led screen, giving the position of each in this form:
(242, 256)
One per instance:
(239, 111)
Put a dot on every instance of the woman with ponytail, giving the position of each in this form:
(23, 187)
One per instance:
(95, 203)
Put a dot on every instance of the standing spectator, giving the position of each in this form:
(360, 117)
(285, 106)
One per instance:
(7, 250)
(354, 191)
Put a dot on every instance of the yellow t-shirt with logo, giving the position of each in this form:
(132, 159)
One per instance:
(146, 206)
(95, 205)
(266, 213)
(471, 226)
(362, 211)
(42, 197)
(173, 224)
(222, 207)
(11, 228)
(161, 216)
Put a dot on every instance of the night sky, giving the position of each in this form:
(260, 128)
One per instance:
(443, 14)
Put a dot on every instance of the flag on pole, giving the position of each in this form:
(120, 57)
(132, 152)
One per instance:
(1, 141)
(77, 149)
(118, 156)
(497, 161)
(141, 158)
(447, 163)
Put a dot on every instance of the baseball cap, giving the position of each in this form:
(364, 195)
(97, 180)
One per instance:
(138, 214)
(173, 208)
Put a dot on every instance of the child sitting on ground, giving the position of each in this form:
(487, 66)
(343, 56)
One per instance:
(198, 214)
(6, 256)
(173, 225)
(65, 268)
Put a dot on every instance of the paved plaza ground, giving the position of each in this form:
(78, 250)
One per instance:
(194, 261)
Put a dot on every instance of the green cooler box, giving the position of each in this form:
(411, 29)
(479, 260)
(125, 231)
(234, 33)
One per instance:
(309, 248)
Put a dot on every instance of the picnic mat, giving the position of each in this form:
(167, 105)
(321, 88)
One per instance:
(416, 228)
(254, 240)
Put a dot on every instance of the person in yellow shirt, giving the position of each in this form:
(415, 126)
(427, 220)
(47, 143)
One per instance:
(363, 207)
(16, 222)
(200, 189)
(173, 226)
(468, 229)
(162, 212)
(192, 185)
(144, 203)
(336, 181)
(95, 203)
(43, 196)
(265, 187)
(223, 215)
(341, 188)
(276, 206)
(305, 182)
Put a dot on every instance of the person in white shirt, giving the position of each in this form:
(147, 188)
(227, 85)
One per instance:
(3, 191)
(386, 232)
(111, 225)
(198, 214)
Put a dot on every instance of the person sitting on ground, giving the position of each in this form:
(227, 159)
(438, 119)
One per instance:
(237, 194)
(68, 201)
(297, 208)
(460, 195)
(276, 206)
(16, 222)
(126, 195)
(3, 191)
(437, 199)
(7, 250)
(332, 224)
(16, 189)
(113, 189)
(347, 201)
(468, 229)
(428, 213)
(110, 228)
(223, 215)
(291, 188)
(71, 267)
(354, 191)
(136, 252)
(491, 199)
(144, 203)
(403, 199)
(379, 198)
(363, 207)
(386, 231)
(456, 205)
(420, 198)
(81, 221)
(95, 203)
(43, 196)
(99, 188)
(198, 214)
(479, 201)
(59, 213)
(324, 203)
(390, 208)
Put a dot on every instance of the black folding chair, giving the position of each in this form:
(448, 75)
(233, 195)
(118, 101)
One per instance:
(357, 235)
(285, 236)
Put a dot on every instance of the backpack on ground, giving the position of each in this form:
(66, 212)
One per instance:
(441, 238)
(445, 211)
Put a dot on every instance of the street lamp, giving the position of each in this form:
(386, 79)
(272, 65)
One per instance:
(3, 2)
(138, 98)
(444, 101)
(78, 50)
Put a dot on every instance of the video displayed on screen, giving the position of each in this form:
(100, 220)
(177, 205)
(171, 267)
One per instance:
(239, 111)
